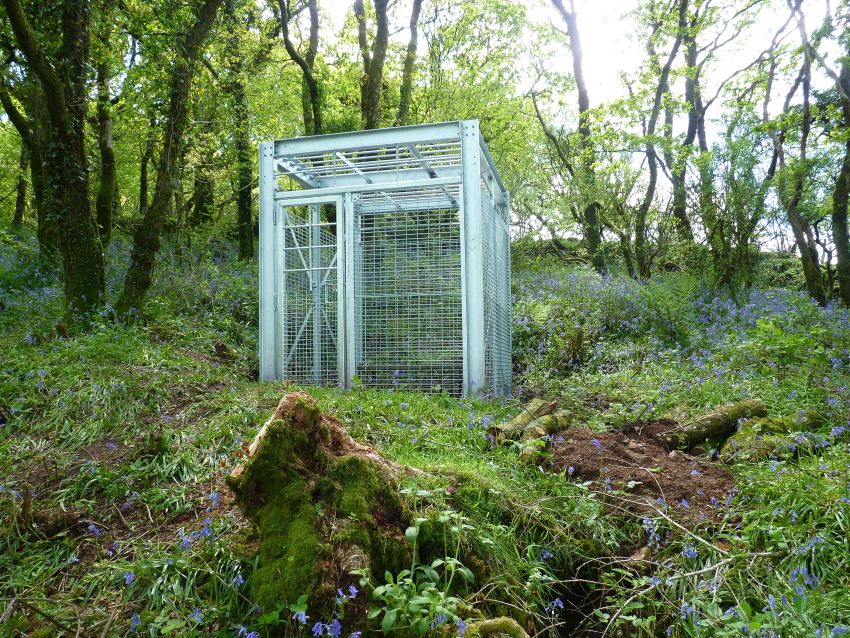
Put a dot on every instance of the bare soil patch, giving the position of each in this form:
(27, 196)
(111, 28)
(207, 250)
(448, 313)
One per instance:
(635, 463)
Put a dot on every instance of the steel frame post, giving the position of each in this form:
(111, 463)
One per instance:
(316, 284)
(472, 262)
(348, 285)
(268, 257)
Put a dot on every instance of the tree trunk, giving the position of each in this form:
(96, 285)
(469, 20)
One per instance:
(202, 197)
(146, 239)
(373, 61)
(800, 227)
(406, 90)
(239, 106)
(67, 161)
(31, 133)
(147, 154)
(46, 224)
(695, 117)
(641, 252)
(840, 197)
(591, 226)
(107, 193)
(21, 196)
(310, 96)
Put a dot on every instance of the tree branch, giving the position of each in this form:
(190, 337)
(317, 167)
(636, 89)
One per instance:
(52, 84)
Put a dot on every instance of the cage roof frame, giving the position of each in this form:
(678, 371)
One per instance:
(358, 160)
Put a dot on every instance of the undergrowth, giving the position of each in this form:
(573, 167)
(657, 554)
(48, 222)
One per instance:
(117, 441)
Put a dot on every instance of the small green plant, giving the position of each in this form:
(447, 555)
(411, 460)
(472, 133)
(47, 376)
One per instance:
(419, 599)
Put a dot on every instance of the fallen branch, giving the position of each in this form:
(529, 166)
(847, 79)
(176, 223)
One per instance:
(514, 429)
(717, 424)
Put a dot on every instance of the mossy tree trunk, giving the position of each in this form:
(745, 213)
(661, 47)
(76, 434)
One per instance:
(21, 189)
(32, 126)
(841, 193)
(106, 201)
(235, 87)
(202, 197)
(63, 82)
(146, 239)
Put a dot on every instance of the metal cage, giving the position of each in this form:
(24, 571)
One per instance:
(385, 261)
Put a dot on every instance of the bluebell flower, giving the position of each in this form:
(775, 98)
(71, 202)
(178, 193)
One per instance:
(597, 444)
(352, 591)
(461, 626)
(545, 555)
(238, 580)
(94, 529)
(552, 605)
(318, 629)
(439, 620)
(185, 542)
(197, 616)
(244, 633)
(129, 577)
(771, 602)
(135, 621)
(690, 552)
(355, 634)
(301, 617)
(215, 499)
(335, 628)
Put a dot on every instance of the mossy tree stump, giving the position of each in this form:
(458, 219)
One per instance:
(324, 504)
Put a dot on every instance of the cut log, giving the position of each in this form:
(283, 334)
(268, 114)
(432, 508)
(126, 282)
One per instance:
(547, 424)
(718, 424)
(513, 429)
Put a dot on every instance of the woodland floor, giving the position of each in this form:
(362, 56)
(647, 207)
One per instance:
(117, 442)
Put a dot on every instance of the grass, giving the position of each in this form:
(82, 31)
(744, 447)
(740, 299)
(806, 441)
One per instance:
(130, 430)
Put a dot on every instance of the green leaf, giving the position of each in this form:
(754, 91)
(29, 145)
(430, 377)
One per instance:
(389, 620)
(172, 625)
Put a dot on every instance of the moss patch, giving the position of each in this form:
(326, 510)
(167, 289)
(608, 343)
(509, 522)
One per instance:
(321, 509)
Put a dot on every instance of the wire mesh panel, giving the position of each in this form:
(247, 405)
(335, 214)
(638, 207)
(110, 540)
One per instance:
(497, 309)
(407, 294)
(309, 296)
(406, 282)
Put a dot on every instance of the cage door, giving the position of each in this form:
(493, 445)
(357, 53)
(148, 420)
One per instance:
(308, 292)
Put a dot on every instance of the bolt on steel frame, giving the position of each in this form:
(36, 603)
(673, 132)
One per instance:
(385, 260)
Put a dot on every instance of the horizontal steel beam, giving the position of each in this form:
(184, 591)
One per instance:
(365, 188)
(353, 140)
